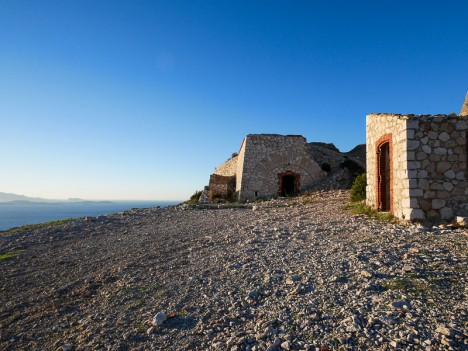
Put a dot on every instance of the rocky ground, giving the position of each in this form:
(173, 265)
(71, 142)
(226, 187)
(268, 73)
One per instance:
(299, 274)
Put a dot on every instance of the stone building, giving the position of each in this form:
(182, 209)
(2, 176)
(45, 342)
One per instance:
(417, 165)
(267, 165)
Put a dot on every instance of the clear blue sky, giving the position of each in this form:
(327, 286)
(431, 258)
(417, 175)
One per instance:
(142, 99)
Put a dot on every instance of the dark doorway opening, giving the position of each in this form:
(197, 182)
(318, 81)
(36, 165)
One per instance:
(288, 185)
(383, 177)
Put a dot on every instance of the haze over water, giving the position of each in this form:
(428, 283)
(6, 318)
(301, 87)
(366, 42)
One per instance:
(17, 215)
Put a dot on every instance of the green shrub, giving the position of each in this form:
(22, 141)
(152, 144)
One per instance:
(195, 197)
(360, 208)
(358, 189)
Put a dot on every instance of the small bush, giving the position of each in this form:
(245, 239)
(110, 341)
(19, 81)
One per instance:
(360, 208)
(195, 197)
(358, 189)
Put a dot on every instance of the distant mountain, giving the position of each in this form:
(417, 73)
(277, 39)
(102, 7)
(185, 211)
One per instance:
(8, 197)
(15, 199)
(26, 202)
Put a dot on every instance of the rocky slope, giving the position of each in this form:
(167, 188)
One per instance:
(299, 274)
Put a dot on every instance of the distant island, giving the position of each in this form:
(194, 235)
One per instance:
(15, 199)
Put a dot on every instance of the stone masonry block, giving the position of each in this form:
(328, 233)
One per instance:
(438, 203)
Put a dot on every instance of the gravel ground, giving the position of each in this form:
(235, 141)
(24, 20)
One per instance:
(298, 274)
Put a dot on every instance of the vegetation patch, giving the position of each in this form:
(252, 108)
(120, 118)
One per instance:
(409, 284)
(39, 225)
(11, 254)
(303, 200)
(358, 189)
(194, 198)
(361, 208)
(161, 293)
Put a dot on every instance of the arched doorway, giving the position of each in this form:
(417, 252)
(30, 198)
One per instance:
(288, 184)
(384, 175)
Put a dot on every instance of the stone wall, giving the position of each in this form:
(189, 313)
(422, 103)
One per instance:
(228, 168)
(377, 127)
(266, 156)
(464, 109)
(222, 187)
(240, 165)
(437, 165)
(429, 164)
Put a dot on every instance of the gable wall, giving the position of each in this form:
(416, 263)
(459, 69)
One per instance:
(228, 168)
(268, 155)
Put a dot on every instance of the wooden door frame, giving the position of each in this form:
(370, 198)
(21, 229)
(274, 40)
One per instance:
(387, 138)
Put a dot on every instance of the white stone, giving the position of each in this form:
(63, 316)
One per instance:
(413, 123)
(437, 203)
(422, 174)
(416, 192)
(414, 165)
(446, 213)
(427, 149)
(160, 318)
(432, 135)
(416, 214)
(448, 186)
(461, 125)
(450, 174)
(401, 305)
(440, 150)
(413, 144)
(444, 136)
(461, 220)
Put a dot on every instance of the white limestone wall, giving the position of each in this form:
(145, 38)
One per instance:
(377, 126)
(228, 168)
(430, 168)
(240, 165)
(268, 155)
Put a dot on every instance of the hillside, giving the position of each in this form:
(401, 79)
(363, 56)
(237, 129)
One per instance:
(288, 274)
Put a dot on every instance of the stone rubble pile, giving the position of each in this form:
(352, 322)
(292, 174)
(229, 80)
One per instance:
(285, 274)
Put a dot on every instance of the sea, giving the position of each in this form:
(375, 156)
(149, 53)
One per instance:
(16, 215)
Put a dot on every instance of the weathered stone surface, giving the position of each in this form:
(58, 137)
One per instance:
(462, 220)
(464, 109)
(429, 163)
(262, 162)
(437, 203)
(446, 213)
